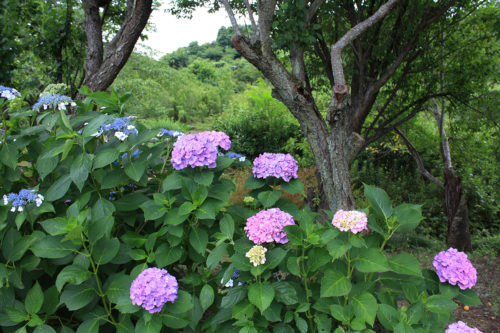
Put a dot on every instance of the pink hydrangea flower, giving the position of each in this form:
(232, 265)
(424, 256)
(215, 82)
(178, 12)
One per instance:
(198, 149)
(461, 327)
(267, 226)
(153, 288)
(275, 165)
(352, 221)
(455, 267)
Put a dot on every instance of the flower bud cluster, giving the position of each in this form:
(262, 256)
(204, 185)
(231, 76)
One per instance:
(257, 255)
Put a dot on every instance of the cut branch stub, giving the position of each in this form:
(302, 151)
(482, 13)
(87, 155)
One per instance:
(340, 90)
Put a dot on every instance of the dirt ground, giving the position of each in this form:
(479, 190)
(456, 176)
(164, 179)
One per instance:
(485, 317)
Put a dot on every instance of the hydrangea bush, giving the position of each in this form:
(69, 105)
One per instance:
(140, 235)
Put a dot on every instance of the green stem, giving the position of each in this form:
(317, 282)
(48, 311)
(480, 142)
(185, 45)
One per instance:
(303, 273)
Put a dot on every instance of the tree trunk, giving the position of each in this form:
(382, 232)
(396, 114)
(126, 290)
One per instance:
(104, 63)
(458, 235)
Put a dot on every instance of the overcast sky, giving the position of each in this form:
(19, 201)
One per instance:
(172, 33)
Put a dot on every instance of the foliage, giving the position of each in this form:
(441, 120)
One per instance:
(106, 217)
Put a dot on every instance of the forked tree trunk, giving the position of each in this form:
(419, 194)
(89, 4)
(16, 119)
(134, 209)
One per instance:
(458, 235)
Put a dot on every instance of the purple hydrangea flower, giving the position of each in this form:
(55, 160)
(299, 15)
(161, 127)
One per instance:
(21, 199)
(461, 327)
(275, 165)
(267, 226)
(9, 93)
(153, 288)
(198, 149)
(455, 267)
(53, 101)
(352, 221)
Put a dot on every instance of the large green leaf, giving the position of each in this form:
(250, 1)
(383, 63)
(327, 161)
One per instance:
(73, 274)
(198, 238)
(408, 216)
(105, 250)
(294, 186)
(77, 296)
(405, 263)
(285, 293)
(172, 182)
(106, 157)
(58, 189)
(80, 169)
(136, 169)
(52, 247)
(468, 297)
(364, 306)
(440, 304)
(379, 200)
(334, 284)
(207, 296)
(261, 295)
(371, 260)
(216, 255)
(182, 304)
(166, 255)
(34, 299)
(269, 198)
(8, 155)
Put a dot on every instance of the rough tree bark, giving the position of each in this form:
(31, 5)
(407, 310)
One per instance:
(104, 62)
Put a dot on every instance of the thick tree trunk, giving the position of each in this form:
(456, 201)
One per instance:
(104, 63)
(458, 235)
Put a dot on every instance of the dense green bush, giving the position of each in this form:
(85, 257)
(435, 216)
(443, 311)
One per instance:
(107, 216)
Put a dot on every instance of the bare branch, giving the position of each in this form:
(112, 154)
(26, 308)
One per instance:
(355, 32)
(255, 32)
(232, 18)
(313, 9)
(418, 159)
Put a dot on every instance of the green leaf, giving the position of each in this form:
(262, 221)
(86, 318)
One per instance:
(182, 304)
(173, 321)
(34, 299)
(301, 324)
(130, 202)
(198, 238)
(388, 316)
(207, 296)
(334, 284)
(294, 234)
(80, 168)
(468, 297)
(76, 297)
(65, 120)
(316, 258)
(44, 329)
(294, 186)
(227, 225)
(440, 304)
(199, 195)
(415, 313)
(15, 315)
(216, 255)
(153, 325)
(172, 182)
(204, 177)
(379, 200)
(234, 296)
(285, 293)
(340, 312)
(46, 164)
(244, 310)
(166, 255)
(405, 263)
(292, 264)
(338, 247)
(73, 274)
(105, 250)
(106, 157)
(365, 307)
(58, 189)
(371, 260)
(136, 169)
(269, 198)
(408, 216)
(152, 210)
(254, 183)
(261, 295)
(8, 156)
(89, 326)
(52, 247)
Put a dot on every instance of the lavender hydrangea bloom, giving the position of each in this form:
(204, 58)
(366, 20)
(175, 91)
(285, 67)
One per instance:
(275, 165)
(455, 267)
(21, 199)
(267, 226)
(153, 288)
(461, 327)
(352, 221)
(53, 101)
(198, 149)
(9, 93)
(120, 128)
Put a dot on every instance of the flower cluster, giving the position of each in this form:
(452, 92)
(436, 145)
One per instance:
(454, 266)
(230, 283)
(267, 226)
(120, 128)
(198, 149)
(236, 156)
(24, 197)
(9, 93)
(172, 133)
(53, 101)
(461, 327)
(352, 221)
(257, 255)
(153, 288)
(275, 165)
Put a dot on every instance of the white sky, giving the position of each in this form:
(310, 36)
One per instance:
(172, 33)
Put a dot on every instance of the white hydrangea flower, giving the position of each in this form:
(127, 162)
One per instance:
(121, 136)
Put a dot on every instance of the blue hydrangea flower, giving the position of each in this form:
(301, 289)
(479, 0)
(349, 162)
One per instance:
(236, 156)
(21, 199)
(53, 101)
(125, 155)
(230, 283)
(9, 93)
(172, 133)
(120, 128)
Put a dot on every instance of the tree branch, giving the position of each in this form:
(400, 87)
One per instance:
(232, 18)
(313, 9)
(255, 32)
